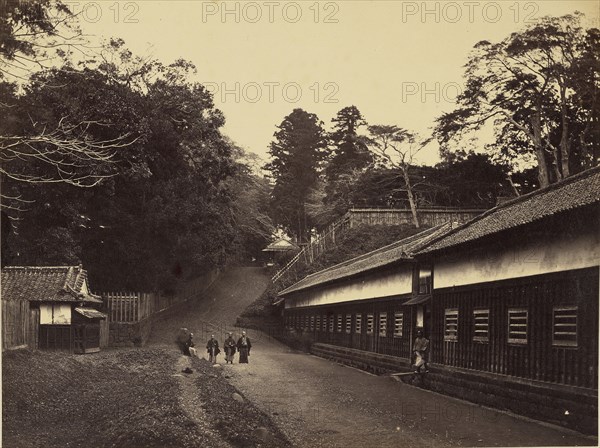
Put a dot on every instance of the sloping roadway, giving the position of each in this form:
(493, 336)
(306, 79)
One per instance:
(215, 310)
(318, 403)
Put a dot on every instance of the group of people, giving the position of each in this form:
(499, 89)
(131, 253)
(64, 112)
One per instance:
(243, 346)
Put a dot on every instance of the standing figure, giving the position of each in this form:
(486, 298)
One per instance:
(421, 352)
(212, 347)
(184, 337)
(229, 346)
(244, 346)
(189, 349)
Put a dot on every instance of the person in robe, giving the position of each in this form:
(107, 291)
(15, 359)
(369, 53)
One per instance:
(230, 346)
(212, 348)
(244, 345)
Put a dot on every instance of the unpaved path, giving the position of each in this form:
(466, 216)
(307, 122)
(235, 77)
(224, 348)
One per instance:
(191, 403)
(317, 403)
(216, 310)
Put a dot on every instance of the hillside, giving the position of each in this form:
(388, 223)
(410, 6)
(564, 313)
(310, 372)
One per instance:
(354, 242)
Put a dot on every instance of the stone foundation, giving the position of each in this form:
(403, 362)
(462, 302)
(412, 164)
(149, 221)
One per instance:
(129, 334)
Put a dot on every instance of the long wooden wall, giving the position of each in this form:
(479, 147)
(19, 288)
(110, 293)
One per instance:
(367, 325)
(535, 357)
(428, 217)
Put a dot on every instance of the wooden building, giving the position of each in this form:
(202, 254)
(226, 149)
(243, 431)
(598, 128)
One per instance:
(509, 301)
(515, 291)
(361, 303)
(50, 308)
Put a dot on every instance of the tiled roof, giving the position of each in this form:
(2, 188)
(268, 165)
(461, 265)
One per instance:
(90, 313)
(574, 192)
(400, 250)
(280, 245)
(45, 284)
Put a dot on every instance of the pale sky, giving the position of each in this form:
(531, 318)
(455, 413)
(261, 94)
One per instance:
(399, 62)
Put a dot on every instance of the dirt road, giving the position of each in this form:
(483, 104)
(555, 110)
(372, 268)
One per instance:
(216, 310)
(317, 403)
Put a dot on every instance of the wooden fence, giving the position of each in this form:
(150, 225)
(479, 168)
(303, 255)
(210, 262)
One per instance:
(130, 306)
(428, 217)
(19, 325)
(309, 253)
(137, 306)
(354, 217)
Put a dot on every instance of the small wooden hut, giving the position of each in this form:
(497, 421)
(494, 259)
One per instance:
(50, 308)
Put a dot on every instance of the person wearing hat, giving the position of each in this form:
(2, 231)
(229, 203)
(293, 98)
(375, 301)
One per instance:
(212, 347)
(229, 346)
(421, 351)
(244, 347)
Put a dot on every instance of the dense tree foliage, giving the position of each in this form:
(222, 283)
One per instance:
(539, 88)
(162, 207)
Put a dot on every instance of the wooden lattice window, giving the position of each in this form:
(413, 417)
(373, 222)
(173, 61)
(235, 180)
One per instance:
(324, 324)
(358, 323)
(348, 323)
(451, 324)
(318, 322)
(312, 323)
(481, 323)
(339, 323)
(382, 324)
(564, 326)
(370, 322)
(331, 323)
(398, 324)
(517, 326)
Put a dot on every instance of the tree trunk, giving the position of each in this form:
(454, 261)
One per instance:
(512, 185)
(536, 124)
(411, 198)
(564, 140)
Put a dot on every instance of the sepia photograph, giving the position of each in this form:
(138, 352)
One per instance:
(299, 224)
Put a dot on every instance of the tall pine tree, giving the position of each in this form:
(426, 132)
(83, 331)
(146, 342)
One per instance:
(298, 152)
(350, 151)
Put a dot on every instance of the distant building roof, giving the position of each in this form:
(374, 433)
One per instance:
(400, 250)
(280, 245)
(90, 313)
(46, 284)
(574, 192)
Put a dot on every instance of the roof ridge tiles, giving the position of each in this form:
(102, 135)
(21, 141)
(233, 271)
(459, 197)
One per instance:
(564, 183)
(306, 281)
(379, 250)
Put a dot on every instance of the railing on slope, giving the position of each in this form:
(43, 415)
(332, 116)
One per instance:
(309, 253)
(429, 216)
